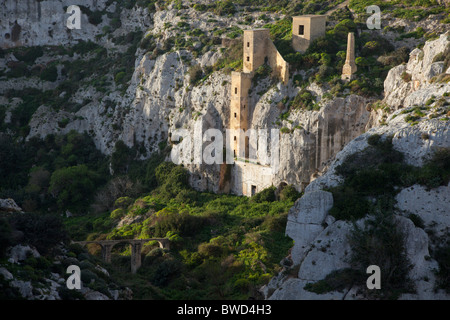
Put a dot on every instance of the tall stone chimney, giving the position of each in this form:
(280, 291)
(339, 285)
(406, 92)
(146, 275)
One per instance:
(350, 65)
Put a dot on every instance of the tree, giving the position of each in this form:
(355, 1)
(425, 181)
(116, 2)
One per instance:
(121, 157)
(73, 187)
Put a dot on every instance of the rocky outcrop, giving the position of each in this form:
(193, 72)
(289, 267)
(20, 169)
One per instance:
(19, 274)
(305, 221)
(321, 248)
(9, 205)
(412, 84)
(37, 23)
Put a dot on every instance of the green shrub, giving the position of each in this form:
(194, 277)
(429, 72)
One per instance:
(120, 76)
(406, 76)
(337, 280)
(71, 187)
(436, 170)
(87, 276)
(380, 242)
(442, 256)
(195, 74)
(289, 193)
(210, 250)
(165, 271)
(417, 220)
(374, 139)
(118, 213)
(5, 236)
(40, 231)
(123, 202)
(29, 55)
(224, 7)
(304, 100)
(266, 195)
(121, 157)
(183, 224)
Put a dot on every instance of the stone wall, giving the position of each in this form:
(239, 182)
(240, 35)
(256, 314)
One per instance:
(249, 178)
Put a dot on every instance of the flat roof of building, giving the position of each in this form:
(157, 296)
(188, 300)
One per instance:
(257, 29)
(310, 16)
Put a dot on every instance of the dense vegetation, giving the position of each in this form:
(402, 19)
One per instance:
(223, 246)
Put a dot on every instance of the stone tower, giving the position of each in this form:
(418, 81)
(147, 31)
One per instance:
(254, 49)
(350, 66)
(239, 106)
(305, 29)
(258, 49)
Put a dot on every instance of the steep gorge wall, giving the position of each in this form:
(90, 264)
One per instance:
(160, 99)
(34, 23)
(321, 243)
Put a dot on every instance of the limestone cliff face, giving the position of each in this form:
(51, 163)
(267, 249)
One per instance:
(310, 226)
(36, 23)
(422, 71)
(160, 99)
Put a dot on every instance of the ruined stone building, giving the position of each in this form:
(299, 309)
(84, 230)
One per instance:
(306, 29)
(251, 175)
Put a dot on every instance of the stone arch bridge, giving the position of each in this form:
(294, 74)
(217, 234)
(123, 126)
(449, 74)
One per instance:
(136, 247)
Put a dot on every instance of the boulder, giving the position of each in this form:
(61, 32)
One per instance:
(9, 205)
(432, 206)
(305, 221)
(6, 274)
(25, 288)
(19, 253)
(329, 253)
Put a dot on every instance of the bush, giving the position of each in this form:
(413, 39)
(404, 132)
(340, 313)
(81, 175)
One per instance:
(337, 280)
(120, 76)
(49, 74)
(121, 158)
(87, 276)
(173, 181)
(374, 140)
(29, 55)
(123, 202)
(195, 74)
(224, 7)
(73, 187)
(380, 242)
(209, 250)
(442, 256)
(436, 170)
(5, 236)
(289, 193)
(166, 270)
(183, 224)
(266, 195)
(40, 231)
(304, 100)
(406, 76)
(118, 213)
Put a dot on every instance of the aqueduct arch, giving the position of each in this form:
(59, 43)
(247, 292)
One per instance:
(136, 247)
